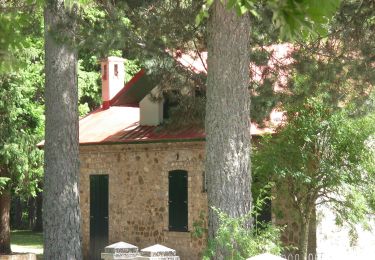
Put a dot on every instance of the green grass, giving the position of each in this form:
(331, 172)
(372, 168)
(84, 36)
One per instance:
(24, 241)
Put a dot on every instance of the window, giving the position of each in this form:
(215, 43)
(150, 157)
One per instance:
(116, 70)
(178, 200)
(104, 73)
(265, 215)
(204, 182)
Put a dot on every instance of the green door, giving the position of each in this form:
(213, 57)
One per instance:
(98, 215)
(178, 200)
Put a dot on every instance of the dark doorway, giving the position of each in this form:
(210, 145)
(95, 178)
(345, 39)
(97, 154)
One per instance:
(178, 200)
(98, 215)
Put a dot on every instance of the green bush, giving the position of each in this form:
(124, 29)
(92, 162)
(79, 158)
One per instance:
(239, 242)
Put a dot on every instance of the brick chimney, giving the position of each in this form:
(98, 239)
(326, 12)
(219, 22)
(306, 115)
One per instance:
(113, 77)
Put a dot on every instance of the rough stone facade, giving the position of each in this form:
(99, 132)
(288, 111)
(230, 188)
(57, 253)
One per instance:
(138, 195)
(138, 192)
(284, 214)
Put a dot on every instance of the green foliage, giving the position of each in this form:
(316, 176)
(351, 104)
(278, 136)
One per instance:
(89, 85)
(17, 19)
(322, 156)
(234, 235)
(22, 125)
(240, 242)
(199, 225)
(3, 182)
(294, 18)
(303, 18)
(21, 95)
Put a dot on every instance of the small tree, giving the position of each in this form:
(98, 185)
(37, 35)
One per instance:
(321, 156)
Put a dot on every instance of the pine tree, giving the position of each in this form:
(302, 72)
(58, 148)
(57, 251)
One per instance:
(228, 116)
(61, 214)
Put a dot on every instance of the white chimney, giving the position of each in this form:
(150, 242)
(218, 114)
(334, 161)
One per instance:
(113, 77)
(151, 111)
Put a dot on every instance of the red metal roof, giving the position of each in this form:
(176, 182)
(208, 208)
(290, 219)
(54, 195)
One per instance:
(121, 125)
(280, 57)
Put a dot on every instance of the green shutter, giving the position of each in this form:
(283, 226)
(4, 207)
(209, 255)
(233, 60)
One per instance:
(98, 215)
(178, 200)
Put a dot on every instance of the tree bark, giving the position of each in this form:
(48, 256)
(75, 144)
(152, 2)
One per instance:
(61, 211)
(16, 213)
(304, 237)
(31, 212)
(5, 198)
(38, 227)
(228, 115)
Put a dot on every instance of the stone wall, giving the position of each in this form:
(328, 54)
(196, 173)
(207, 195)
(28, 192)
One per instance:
(138, 195)
(138, 192)
(284, 214)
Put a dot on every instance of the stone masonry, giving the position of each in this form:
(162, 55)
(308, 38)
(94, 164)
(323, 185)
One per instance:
(138, 195)
(138, 192)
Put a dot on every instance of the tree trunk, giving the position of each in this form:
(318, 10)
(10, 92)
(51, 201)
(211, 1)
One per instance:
(16, 213)
(304, 238)
(228, 115)
(5, 198)
(38, 227)
(31, 212)
(61, 211)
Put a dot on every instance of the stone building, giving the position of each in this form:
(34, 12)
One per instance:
(139, 183)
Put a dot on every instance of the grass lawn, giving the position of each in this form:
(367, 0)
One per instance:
(27, 241)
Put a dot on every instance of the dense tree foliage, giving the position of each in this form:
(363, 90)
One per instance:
(321, 156)
(329, 104)
(21, 107)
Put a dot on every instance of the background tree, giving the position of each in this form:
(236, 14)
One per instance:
(21, 110)
(61, 217)
(334, 69)
(321, 156)
(21, 125)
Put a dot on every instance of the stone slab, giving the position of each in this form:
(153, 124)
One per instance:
(20, 256)
(266, 256)
(158, 251)
(121, 247)
(109, 256)
(120, 250)
(158, 258)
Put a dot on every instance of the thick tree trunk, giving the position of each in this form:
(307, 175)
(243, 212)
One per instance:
(228, 115)
(5, 198)
(61, 211)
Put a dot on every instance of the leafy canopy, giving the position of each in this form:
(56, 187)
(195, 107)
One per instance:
(294, 18)
(323, 156)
